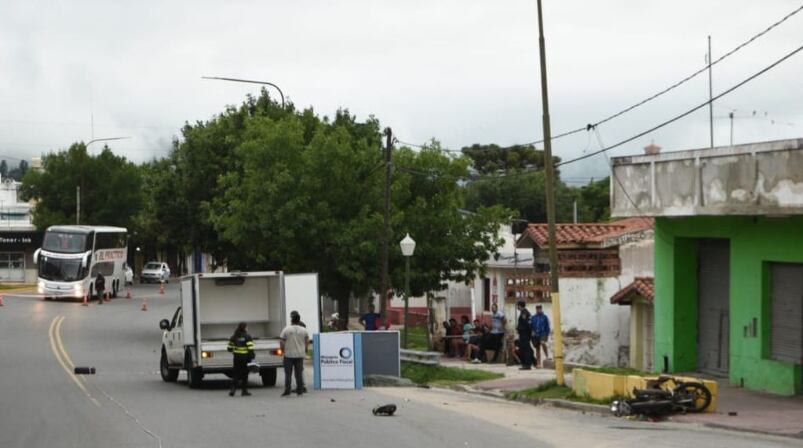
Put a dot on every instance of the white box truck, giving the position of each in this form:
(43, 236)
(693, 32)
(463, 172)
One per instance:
(212, 305)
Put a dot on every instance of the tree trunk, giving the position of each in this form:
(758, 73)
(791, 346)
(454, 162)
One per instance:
(343, 311)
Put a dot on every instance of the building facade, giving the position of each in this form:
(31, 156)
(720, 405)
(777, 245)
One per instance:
(19, 239)
(596, 260)
(728, 258)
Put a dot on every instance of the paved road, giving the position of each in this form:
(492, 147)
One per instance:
(127, 405)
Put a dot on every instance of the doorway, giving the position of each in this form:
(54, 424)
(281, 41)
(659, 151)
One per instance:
(713, 306)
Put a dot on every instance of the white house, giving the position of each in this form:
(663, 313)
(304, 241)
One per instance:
(18, 236)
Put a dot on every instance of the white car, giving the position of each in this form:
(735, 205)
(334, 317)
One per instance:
(155, 271)
(129, 274)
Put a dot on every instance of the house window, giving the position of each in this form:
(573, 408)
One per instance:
(486, 294)
(786, 295)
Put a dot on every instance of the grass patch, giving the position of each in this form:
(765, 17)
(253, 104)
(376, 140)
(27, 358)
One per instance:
(423, 374)
(417, 339)
(617, 370)
(5, 286)
(552, 390)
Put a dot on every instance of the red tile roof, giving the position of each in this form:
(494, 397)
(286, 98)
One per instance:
(643, 286)
(586, 233)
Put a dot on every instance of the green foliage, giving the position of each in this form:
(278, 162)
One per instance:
(593, 201)
(488, 159)
(111, 188)
(417, 339)
(424, 374)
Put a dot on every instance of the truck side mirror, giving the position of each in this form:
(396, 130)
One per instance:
(85, 260)
(164, 324)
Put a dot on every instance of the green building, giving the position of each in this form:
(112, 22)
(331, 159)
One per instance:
(728, 258)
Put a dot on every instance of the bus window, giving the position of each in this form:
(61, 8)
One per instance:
(106, 268)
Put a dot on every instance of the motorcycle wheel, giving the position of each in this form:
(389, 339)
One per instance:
(692, 397)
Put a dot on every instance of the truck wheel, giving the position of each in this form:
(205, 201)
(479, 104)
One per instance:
(168, 375)
(268, 377)
(194, 374)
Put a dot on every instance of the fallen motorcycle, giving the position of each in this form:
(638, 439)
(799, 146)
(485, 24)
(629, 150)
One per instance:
(659, 400)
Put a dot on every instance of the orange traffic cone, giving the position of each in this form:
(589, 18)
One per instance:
(161, 287)
(1, 300)
(128, 293)
(144, 304)
(86, 301)
(107, 297)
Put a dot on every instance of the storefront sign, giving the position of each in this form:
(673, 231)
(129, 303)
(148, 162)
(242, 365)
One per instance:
(337, 360)
(20, 239)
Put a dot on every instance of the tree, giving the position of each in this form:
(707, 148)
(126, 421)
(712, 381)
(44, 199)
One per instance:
(594, 201)
(306, 195)
(428, 203)
(111, 188)
(3, 169)
(493, 158)
(18, 172)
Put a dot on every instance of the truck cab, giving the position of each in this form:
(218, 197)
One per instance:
(196, 337)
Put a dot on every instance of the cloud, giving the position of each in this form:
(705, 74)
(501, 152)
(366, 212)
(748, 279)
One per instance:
(460, 71)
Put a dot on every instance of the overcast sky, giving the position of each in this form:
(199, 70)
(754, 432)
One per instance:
(460, 71)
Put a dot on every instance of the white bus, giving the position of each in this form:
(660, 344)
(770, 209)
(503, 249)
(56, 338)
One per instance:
(71, 257)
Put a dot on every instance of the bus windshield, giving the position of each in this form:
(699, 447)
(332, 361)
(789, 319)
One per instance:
(64, 242)
(60, 269)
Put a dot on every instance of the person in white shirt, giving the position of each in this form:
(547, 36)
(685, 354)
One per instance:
(294, 343)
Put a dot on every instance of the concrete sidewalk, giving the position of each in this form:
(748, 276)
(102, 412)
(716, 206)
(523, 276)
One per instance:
(738, 409)
(745, 410)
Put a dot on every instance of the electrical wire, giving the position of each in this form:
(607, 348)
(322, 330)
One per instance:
(688, 112)
(688, 78)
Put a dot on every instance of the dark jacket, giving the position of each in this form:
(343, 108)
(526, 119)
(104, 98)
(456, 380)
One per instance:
(523, 325)
(242, 345)
(100, 282)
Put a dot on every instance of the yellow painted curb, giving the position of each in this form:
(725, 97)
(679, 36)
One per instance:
(604, 386)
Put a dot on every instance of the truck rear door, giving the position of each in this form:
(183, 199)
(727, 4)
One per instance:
(189, 311)
(301, 294)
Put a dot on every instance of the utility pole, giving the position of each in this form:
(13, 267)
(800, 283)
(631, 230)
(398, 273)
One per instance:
(710, 95)
(385, 286)
(730, 115)
(550, 207)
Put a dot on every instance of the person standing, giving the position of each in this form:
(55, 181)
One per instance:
(524, 328)
(541, 330)
(100, 287)
(498, 323)
(294, 343)
(242, 346)
(370, 320)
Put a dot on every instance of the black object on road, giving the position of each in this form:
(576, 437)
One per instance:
(84, 370)
(386, 410)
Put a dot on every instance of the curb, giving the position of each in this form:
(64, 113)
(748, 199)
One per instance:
(797, 436)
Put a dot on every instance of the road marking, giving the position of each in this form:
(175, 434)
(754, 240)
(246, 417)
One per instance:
(63, 359)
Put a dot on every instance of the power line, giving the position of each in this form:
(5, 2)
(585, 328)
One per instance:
(678, 117)
(589, 126)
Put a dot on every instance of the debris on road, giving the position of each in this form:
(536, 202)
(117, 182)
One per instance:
(385, 410)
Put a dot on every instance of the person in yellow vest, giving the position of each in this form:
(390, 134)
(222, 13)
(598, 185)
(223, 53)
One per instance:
(242, 346)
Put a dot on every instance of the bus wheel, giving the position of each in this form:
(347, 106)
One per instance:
(115, 288)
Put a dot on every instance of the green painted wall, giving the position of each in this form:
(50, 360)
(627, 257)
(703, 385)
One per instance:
(755, 242)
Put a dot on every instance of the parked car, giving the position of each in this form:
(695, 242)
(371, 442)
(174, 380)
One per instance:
(155, 271)
(129, 274)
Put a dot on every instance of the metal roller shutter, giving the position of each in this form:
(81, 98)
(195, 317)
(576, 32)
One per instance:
(713, 306)
(786, 334)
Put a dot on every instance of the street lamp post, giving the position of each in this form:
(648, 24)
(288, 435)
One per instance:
(407, 248)
(249, 81)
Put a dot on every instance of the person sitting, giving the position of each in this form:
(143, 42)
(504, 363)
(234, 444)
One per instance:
(453, 337)
(476, 343)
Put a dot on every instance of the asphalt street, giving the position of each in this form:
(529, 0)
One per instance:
(126, 404)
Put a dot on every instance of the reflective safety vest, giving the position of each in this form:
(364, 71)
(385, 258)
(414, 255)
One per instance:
(241, 345)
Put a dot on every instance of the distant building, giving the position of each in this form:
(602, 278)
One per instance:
(18, 236)
(596, 260)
